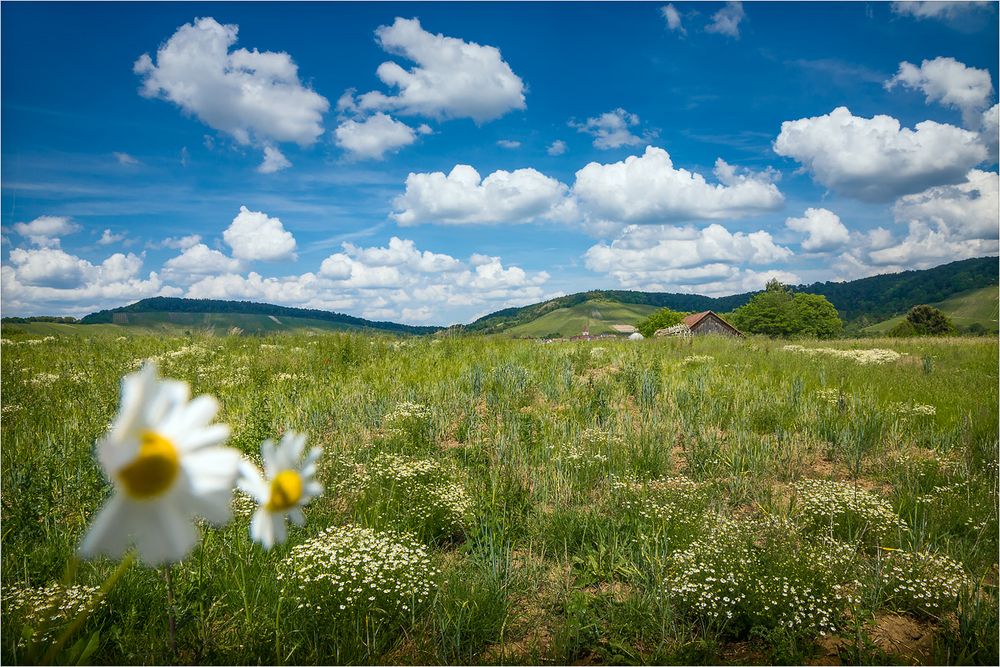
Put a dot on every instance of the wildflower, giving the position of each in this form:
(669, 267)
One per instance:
(164, 457)
(289, 485)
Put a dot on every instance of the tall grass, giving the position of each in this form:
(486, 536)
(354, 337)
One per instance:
(563, 492)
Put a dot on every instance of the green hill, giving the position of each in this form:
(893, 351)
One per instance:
(978, 306)
(596, 314)
(868, 299)
(163, 313)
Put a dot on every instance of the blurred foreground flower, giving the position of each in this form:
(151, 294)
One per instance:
(288, 484)
(165, 459)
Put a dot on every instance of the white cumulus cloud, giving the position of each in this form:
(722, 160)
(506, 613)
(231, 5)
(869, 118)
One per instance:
(611, 129)
(463, 197)
(649, 189)
(256, 97)
(967, 210)
(948, 82)
(46, 230)
(274, 160)
(198, 260)
(874, 159)
(557, 147)
(253, 235)
(373, 137)
(452, 78)
(823, 228)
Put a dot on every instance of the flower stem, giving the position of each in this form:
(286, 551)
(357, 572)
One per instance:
(84, 614)
(171, 614)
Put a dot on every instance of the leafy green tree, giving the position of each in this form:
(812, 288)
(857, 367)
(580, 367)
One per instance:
(929, 321)
(767, 313)
(778, 312)
(661, 319)
(813, 315)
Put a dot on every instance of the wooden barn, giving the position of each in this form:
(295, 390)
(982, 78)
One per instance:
(700, 324)
(709, 323)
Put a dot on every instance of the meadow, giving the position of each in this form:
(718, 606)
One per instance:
(498, 501)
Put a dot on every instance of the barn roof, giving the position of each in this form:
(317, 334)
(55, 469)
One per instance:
(695, 318)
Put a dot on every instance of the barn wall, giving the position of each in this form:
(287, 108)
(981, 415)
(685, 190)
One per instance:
(711, 325)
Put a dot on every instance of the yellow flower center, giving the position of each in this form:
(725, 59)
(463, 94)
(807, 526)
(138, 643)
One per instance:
(286, 491)
(153, 470)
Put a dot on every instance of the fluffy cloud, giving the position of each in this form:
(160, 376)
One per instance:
(255, 236)
(943, 224)
(611, 129)
(964, 211)
(62, 283)
(989, 132)
(463, 197)
(726, 21)
(673, 19)
(253, 96)
(925, 246)
(948, 82)
(385, 267)
(274, 160)
(291, 290)
(394, 282)
(933, 9)
(508, 143)
(873, 159)
(50, 267)
(557, 147)
(373, 137)
(177, 242)
(709, 261)
(649, 189)
(823, 228)
(46, 230)
(452, 78)
(198, 260)
(108, 237)
(647, 250)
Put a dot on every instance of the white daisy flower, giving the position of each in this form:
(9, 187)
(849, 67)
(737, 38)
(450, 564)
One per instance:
(164, 458)
(288, 484)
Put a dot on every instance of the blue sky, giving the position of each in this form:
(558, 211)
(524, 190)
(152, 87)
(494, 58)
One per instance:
(432, 163)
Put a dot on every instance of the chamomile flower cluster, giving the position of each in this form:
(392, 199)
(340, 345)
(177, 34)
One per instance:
(760, 572)
(355, 570)
(416, 494)
(844, 510)
(47, 608)
(672, 505)
(912, 409)
(921, 582)
(409, 423)
(872, 357)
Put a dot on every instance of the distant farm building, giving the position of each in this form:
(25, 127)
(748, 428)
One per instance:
(700, 324)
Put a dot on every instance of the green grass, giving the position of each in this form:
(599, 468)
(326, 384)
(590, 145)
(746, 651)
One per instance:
(596, 314)
(607, 502)
(979, 306)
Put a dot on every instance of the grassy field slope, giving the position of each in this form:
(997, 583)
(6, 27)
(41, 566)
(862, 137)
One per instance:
(975, 306)
(598, 314)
